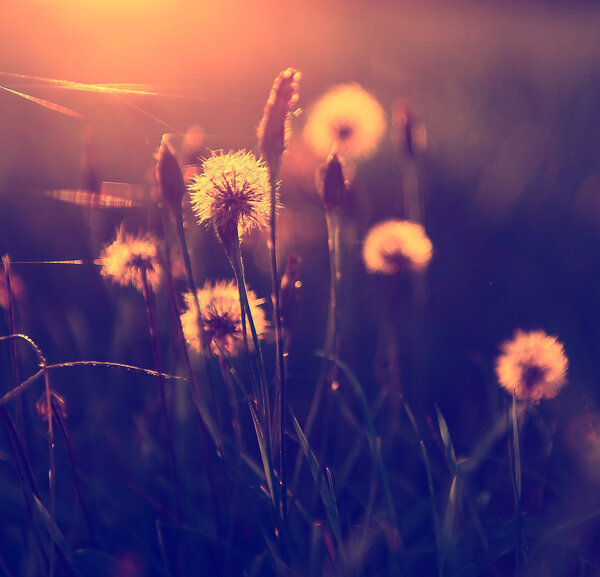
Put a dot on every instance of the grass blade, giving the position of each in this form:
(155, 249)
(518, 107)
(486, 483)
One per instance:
(447, 440)
(58, 538)
(436, 523)
(325, 491)
(372, 437)
(264, 454)
(450, 511)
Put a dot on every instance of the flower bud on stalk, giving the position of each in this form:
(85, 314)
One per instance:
(331, 183)
(170, 177)
(274, 126)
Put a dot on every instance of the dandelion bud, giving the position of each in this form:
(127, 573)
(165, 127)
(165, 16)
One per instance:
(274, 126)
(90, 180)
(170, 177)
(11, 285)
(331, 183)
(408, 130)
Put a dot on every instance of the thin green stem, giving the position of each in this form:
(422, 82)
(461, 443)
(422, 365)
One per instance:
(13, 348)
(517, 485)
(63, 430)
(235, 257)
(161, 388)
(194, 391)
(328, 369)
(52, 466)
(279, 363)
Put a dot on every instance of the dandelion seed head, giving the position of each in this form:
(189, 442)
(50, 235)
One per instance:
(396, 246)
(532, 365)
(220, 318)
(347, 120)
(232, 191)
(124, 260)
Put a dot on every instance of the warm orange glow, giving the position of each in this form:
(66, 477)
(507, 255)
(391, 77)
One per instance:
(532, 365)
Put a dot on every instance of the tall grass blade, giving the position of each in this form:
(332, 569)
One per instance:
(447, 440)
(324, 490)
(450, 512)
(264, 454)
(436, 523)
(371, 433)
(58, 538)
(161, 546)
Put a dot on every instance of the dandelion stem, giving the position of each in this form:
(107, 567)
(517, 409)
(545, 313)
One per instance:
(235, 413)
(63, 429)
(195, 393)
(24, 472)
(234, 253)
(233, 249)
(328, 369)
(161, 387)
(517, 484)
(13, 348)
(279, 363)
(52, 467)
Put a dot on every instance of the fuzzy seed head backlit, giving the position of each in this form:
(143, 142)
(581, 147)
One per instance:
(273, 130)
(232, 191)
(220, 319)
(124, 260)
(396, 246)
(532, 365)
(347, 120)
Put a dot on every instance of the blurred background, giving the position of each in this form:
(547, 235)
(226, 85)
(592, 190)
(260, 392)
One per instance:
(509, 93)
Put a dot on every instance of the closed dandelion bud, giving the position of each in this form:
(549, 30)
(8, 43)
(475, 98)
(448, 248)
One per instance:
(408, 130)
(90, 180)
(170, 177)
(274, 127)
(11, 285)
(331, 183)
